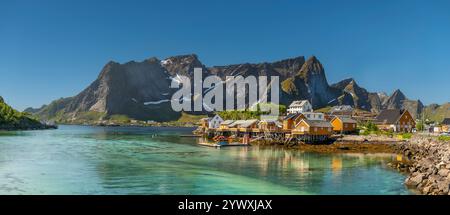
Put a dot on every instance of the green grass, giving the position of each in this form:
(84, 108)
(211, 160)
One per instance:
(444, 138)
(90, 115)
(406, 135)
(118, 118)
(11, 118)
(190, 118)
(324, 109)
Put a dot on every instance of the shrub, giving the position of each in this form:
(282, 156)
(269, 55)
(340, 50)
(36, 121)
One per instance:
(406, 136)
(444, 138)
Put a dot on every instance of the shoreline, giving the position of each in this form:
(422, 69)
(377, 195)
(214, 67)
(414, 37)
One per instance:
(429, 167)
(340, 147)
(32, 128)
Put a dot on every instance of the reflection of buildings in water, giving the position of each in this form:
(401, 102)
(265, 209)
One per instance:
(291, 161)
(336, 165)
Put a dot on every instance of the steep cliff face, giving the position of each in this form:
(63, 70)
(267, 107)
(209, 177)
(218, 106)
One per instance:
(183, 65)
(133, 89)
(140, 90)
(395, 101)
(398, 100)
(359, 97)
(311, 83)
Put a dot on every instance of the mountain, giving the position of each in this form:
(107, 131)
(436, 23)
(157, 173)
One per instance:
(398, 100)
(140, 90)
(311, 83)
(11, 119)
(437, 113)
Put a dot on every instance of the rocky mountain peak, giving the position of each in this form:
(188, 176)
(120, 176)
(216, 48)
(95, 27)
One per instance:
(398, 95)
(140, 90)
(312, 66)
(341, 85)
(152, 60)
(182, 64)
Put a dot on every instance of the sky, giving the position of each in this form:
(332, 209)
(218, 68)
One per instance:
(55, 48)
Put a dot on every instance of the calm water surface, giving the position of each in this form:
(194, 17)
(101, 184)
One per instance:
(99, 160)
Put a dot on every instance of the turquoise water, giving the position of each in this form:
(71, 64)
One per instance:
(99, 160)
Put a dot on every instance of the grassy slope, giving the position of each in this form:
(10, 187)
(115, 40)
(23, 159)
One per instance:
(437, 113)
(13, 119)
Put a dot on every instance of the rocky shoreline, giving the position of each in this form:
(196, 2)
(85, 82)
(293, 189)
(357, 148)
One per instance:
(428, 164)
(27, 127)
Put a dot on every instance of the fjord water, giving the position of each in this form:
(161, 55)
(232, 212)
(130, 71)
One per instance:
(127, 160)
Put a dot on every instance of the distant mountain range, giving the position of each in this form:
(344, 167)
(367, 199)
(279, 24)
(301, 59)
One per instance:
(140, 90)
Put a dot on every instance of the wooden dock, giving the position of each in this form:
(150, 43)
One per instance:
(223, 145)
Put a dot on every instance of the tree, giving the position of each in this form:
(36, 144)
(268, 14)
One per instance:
(420, 126)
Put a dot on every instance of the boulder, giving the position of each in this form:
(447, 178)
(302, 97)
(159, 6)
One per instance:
(444, 172)
(443, 186)
(414, 181)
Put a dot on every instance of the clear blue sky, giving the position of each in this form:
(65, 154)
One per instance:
(52, 49)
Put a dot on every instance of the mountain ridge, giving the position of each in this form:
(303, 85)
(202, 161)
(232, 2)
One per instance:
(140, 90)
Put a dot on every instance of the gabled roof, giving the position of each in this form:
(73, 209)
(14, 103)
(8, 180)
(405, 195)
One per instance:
(227, 122)
(243, 123)
(389, 116)
(299, 103)
(316, 123)
(446, 121)
(341, 108)
(345, 119)
(292, 116)
(235, 123)
(276, 122)
(248, 123)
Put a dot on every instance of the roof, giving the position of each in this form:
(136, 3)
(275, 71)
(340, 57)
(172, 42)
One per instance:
(276, 122)
(446, 121)
(248, 123)
(318, 123)
(227, 122)
(389, 116)
(290, 116)
(243, 123)
(346, 119)
(342, 108)
(235, 123)
(207, 119)
(299, 103)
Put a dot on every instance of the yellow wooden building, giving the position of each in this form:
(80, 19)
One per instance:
(343, 124)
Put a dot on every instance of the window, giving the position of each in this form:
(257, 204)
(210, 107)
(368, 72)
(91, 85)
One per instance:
(315, 129)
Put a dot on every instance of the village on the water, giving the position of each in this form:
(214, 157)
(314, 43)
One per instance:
(302, 124)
